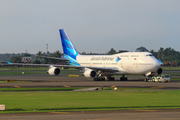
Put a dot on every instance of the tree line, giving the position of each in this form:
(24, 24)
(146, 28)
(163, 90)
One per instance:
(168, 56)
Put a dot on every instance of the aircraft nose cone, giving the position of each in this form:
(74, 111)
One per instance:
(157, 64)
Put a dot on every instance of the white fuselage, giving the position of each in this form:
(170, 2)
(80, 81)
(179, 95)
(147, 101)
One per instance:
(126, 63)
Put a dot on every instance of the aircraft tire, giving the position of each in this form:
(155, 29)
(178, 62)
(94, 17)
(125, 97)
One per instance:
(95, 79)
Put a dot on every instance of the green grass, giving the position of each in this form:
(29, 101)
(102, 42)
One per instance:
(174, 74)
(175, 79)
(42, 89)
(36, 69)
(124, 88)
(15, 69)
(20, 73)
(15, 82)
(65, 89)
(170, 68)
(77, 101)
(2, 81)
(27, 73)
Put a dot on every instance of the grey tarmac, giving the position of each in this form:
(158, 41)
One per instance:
(58, 81)
(160, 114)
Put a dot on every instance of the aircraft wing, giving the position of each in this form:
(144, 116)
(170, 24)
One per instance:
(54, 58)
(103, 69)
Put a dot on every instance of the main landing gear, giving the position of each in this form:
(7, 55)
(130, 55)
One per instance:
(104, 78)
(110, 78)
(99, 79)
(123, 78)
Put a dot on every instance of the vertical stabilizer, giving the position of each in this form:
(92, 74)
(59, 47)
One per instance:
(68, 48)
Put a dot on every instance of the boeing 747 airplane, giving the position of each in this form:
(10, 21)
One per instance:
(102, 67)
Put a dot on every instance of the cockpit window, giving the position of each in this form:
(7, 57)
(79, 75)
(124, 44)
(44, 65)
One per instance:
(149, 55)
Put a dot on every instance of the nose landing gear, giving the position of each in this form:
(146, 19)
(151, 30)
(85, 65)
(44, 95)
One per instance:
(123, 78)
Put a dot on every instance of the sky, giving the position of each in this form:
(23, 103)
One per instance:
(92, 25)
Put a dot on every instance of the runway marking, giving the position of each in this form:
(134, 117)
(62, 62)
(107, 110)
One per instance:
(66, 86)
(157, 87)
(73, 75)
(60, 112)
(17, 86)
(146, 110)
(9, 80)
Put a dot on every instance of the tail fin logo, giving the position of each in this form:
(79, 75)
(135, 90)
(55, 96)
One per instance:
(68, 48)
(118, 59)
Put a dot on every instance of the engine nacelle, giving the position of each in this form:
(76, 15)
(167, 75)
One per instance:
(159, 71)
(90, 73)
(53, 71)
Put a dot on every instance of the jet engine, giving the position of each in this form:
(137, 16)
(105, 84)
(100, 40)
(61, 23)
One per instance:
(159, 71)
(90, 73)
(53, 71)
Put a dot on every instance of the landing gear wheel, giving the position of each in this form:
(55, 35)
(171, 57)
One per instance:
(95, 79)
(110, 78)
(146, 80)
(99, 79)
(123, 78)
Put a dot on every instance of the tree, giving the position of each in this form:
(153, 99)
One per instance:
(37, 61)
(142, 49)
(121, 51)
(58, 54)
(26, 55)
(154, 53)
(16, 59)
(160, 54)
(83, 53)
(111, 52)
(39, 54)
